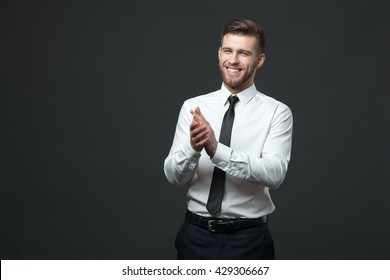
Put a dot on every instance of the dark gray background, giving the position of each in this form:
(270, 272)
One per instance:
(91, 91)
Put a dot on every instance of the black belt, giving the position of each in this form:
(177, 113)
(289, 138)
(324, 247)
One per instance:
(223, 224)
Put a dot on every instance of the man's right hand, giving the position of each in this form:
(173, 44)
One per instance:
(202, 134)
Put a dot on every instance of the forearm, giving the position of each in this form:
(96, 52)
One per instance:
(180, 166)
(268, 170)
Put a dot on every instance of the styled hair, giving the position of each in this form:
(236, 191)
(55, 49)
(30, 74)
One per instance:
(246, 27)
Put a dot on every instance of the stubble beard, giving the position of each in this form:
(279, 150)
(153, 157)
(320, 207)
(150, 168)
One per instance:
(237, 84)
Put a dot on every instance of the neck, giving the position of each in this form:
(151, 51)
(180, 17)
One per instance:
(237, 90)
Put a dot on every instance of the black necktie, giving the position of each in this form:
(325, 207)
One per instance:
(218, 181)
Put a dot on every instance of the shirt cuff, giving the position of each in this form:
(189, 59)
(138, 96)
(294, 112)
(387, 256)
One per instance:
(222, 156)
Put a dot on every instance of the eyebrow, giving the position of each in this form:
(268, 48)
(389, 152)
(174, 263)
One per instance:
(239, 51)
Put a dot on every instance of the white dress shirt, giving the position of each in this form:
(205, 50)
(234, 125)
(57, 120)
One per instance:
(255, 162)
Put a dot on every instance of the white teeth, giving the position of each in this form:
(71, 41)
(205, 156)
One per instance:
(232, 70)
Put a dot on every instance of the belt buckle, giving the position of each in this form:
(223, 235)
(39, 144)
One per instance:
(210, 226)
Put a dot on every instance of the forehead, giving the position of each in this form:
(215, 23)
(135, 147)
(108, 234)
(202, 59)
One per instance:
(236, 41)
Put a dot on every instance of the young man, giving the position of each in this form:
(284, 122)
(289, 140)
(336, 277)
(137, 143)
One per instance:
(229, 178)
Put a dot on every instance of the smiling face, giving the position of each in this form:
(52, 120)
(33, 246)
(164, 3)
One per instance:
(239, 59)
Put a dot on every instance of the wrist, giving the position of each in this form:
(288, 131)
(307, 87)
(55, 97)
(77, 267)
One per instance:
(212, 150)
(190, 152)
(222, 155)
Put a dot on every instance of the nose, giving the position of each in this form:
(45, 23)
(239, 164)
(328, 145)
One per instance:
(233, 59)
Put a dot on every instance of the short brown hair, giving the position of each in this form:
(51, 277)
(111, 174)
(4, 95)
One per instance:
(246, 27)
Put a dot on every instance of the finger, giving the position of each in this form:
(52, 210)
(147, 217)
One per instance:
(194, 124)
(199, 144)
(199, 136)
(198, 130)
(195, 116)
(194, 111)
(200, 117)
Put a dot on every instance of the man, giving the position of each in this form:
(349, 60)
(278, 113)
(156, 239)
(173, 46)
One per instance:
(229, 178)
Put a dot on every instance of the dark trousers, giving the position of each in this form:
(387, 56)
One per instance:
(197, 243)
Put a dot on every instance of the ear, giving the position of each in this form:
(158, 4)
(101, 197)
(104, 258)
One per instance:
(260, 60)
(219, 52)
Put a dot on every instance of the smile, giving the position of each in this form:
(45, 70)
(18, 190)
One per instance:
(233, 70)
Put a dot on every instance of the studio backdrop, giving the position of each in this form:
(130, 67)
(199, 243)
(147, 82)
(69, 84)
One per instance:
(90, 95)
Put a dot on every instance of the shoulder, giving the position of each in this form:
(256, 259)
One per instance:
(204, 97)
(275, 109)
(201, 99)
(271, 102)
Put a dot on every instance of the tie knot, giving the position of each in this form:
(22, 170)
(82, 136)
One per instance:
(233, 99)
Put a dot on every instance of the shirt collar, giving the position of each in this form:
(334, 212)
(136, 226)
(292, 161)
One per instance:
(244, 96)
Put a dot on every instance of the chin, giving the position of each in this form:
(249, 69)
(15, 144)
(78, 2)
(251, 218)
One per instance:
(233, 85)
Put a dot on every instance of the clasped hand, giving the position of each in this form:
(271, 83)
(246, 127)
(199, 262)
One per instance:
(202, 134)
